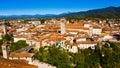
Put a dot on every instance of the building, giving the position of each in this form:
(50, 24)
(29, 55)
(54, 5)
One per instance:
(35, 22)
(20, 37)
(29, 57)
(96, 29)
(74, 47)
(86, 44)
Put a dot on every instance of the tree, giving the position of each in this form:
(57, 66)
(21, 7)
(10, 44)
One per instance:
(53, 55)
(105, 57)
(0, 50)
(59, 58)
(6, 38)
(18, 45)
(79, 60)
(111, 58)
(1, 42)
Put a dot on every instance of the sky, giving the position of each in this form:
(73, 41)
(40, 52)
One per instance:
(32, 7)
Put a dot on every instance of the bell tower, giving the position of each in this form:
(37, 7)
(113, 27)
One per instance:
(4, 27)
(5, 51)
(63, 26)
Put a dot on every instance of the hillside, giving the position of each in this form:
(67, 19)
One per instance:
(109, 12)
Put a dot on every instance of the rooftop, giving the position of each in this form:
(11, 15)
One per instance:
(15, 54)
(5, 63)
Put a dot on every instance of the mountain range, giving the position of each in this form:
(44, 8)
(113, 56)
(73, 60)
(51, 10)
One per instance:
(109, 12)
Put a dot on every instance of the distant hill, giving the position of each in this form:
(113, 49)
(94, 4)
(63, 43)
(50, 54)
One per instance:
(28, 16)
(109, 12)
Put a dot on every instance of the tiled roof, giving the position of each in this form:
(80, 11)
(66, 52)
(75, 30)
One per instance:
(5, 63)
(96, 26)
(83, 42)
(5, 44)
(76, 26)
(1, 31)
(86, 42)
(15, 54)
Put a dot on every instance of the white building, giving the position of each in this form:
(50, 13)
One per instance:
(80, 45)
(17, 38)
(86, 44)
(35, 22)
(95, 31)
(73, 49)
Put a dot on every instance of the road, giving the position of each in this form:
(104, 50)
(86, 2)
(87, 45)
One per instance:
(26, 49)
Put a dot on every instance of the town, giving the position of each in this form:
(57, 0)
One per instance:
(71, 36)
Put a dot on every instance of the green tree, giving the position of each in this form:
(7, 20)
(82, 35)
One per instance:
(0, 50)
(6, 38)
(18, 45)
(106, 57)
(79, 60)
(112, 56)
(54, 56)
(59, 58)
(1, 42)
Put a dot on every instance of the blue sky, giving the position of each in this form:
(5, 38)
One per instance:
(20, 7)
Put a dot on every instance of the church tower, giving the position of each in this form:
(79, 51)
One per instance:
(5, 51)
(4, 27)
(63, 26)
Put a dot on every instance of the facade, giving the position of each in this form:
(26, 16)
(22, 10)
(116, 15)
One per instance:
(96, 31)
(35, 22)
(17, 39)
(73, 49)
(87, 45)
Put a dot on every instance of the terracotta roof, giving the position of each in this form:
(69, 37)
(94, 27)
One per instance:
(83, 42)
(55, 37)
(14, 54)
(5, 44)
(78, 37)
(106, 28)
(5, 63)
(76, 26)
(72, 30)
(86, 42)
(12, 29)
(70, 34)
(1, 31)
(21, 36)
(96, 26)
